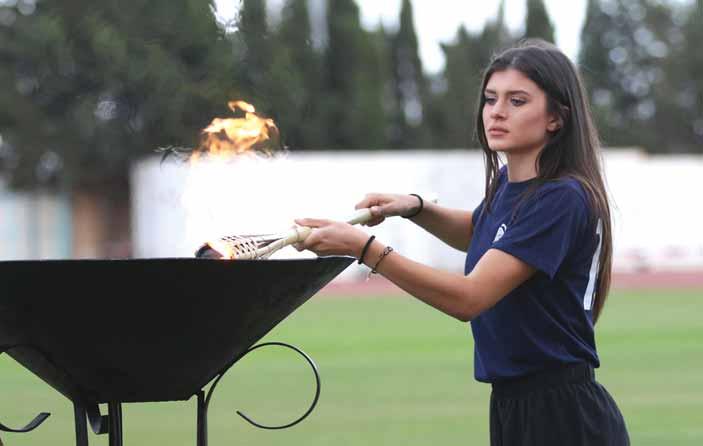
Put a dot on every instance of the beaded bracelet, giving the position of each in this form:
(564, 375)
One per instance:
(383, 255)
(422, 205)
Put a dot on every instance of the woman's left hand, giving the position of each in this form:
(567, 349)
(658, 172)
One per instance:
(332, 238)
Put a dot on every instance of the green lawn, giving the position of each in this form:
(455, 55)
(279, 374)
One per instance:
(395, 372)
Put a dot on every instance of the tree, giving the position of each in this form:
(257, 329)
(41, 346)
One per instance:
(296, 78)
(595, 66)
(537, 23)
(410, 87)
(374, 87)
(254, 49)
(465, 61)
(99, 86)
(460, 74)
(354, 83)
(692, 86)
(625, 50)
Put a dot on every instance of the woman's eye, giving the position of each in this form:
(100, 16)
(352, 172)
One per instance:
(490, 101)
(517, 101)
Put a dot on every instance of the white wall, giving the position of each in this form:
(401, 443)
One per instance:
(657, 212)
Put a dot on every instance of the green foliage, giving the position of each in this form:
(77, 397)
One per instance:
(595, 64)
(88, 88)
(296, 79)
(538, 24)
(253, 67)
(637, 67)
(409, 84)
(463, 80)
(466, 59)
(95, 86)
(354, 83)
(691, 57)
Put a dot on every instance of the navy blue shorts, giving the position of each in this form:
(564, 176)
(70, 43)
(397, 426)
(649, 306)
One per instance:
(557, 407)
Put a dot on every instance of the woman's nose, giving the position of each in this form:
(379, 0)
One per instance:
(498, 110)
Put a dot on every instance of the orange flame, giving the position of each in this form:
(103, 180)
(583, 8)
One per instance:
(228, 138)
(225, 137)
(225, 250)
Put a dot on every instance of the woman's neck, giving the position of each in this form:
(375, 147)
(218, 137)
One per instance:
(522, 166)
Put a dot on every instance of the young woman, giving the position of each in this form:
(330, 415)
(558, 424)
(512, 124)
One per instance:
(538, 260)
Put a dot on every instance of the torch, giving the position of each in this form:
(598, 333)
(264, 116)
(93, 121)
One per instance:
(256, 247)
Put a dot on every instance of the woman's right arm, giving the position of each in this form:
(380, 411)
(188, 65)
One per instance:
(453, 226)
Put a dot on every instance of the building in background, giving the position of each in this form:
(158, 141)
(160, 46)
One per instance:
(35, 225)
(175, 208)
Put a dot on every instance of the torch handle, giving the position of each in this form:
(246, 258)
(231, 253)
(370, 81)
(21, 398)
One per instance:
(364, 215)
(300, 233)
(360, 216)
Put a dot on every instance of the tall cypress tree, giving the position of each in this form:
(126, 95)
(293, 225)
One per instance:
(295, 80)
(465, 61)
(353, 85)
(255, 53)
(596, 68)
(410, 86)
(460, 74)
(494, 37)
(538, 23)
(374, 83)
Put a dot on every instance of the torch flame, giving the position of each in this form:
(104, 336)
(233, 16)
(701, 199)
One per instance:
(227, 137)
(225, 250)
(223, 141)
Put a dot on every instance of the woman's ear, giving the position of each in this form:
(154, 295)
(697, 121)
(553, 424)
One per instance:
(556, 119)
(554, 124)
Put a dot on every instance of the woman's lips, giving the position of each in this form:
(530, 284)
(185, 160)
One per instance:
(497, 132)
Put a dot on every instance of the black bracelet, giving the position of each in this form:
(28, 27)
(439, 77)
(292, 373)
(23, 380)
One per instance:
(422, 205)
(366, 248)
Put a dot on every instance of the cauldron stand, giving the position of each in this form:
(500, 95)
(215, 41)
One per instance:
(194, 318)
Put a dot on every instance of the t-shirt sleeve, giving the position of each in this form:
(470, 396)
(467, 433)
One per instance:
(545, 229)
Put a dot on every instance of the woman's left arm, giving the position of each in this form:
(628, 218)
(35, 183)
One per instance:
(463, 297)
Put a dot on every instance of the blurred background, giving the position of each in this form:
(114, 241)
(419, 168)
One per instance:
(368, 95)
(90, 92)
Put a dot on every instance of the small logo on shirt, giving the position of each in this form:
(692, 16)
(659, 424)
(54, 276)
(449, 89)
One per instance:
(500, 233)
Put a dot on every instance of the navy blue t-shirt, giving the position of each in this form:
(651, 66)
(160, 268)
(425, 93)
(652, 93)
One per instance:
(546, 321)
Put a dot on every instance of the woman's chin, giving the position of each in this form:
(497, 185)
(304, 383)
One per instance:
(499, 148)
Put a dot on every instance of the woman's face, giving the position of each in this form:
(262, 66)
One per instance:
(515, 115)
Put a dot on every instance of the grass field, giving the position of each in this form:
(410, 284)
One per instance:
(395, 372)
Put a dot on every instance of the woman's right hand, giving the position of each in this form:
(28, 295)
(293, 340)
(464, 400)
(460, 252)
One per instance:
(388, 205)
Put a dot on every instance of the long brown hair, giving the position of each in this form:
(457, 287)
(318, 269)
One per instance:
(572, 151)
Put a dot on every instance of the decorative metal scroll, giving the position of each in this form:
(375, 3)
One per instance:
(39, 419)
(247, 418)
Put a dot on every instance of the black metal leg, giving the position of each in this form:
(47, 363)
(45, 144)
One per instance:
(81, 425)
(202, 419)
(115, 420)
